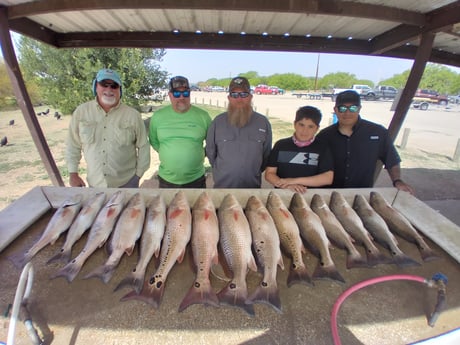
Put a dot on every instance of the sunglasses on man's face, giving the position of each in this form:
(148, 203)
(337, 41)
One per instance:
(239, 94)
(177, 94)
(351, 108)
(113, 86)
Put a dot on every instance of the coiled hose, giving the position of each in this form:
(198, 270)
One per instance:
(438, 280)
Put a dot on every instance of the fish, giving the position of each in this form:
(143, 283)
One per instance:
(127, 231)
(235, 241)
(150, 244)
(266, 244)
(175, 239)
(205, 237)
(336, 233)
(312, 231)
(379, 230)
(82, 222)
(291, 242)
(399, 225)
(355, 227)
(60, 221)
(98, 235)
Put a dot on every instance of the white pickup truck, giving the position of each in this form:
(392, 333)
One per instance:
(359, 88)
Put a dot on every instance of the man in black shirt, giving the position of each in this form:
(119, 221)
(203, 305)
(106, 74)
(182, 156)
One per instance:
(357, 144)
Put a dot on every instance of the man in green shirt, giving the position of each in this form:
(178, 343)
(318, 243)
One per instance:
(177, 132)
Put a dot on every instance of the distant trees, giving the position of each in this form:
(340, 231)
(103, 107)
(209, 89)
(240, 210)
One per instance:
(64, 76)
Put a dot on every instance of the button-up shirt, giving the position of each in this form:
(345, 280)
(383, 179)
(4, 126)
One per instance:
(114, 144)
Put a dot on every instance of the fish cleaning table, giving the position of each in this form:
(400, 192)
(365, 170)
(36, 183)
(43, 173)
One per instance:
(89, 311)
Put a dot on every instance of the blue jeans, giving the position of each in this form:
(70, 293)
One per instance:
(132, 183)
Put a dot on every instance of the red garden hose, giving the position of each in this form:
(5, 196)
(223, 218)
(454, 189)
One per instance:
(438, 280)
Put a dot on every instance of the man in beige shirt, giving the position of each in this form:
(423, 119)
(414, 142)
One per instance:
(111, 136)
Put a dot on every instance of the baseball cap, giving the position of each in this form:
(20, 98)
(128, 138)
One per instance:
(348, 96)
(108, 74)
(239, 83)
(178, 82)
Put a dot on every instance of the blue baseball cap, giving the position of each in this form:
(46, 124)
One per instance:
(108, 74)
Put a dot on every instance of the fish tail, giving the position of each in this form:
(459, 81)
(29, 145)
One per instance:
(327, 272)
(427, 253)
(375, 257)
(402, 260)
(298, 275)
(62, 255)
(199, 293)
(133, 279)
(20, 260)
(69, 271)
(356, 260)
(236, 296)
(150, 294)
(268, 294)
(104, 272)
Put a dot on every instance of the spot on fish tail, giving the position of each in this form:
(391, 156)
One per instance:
(175, 214)
(232, 286)
(264, 284)
(197, 285)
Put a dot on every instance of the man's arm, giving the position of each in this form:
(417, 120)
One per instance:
(395, 175)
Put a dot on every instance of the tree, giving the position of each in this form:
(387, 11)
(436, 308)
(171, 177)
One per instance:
(65, 75)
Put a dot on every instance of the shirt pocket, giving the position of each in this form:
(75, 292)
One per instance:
(124, 134)
(258, 137)
(87, 131)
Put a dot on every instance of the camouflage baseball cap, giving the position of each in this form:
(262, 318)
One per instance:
(178, 82)
(239, 83)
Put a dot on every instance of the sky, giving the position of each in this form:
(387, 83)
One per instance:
(201, 65)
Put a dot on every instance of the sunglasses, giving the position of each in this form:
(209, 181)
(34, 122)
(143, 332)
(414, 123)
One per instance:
(351, 108)
(185, 93)
(239, 94)
(113, 86)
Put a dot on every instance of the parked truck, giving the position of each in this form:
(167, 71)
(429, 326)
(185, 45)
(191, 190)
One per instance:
(359, 88)
(381, 92)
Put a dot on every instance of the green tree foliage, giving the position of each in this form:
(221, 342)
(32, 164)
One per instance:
(65, 75)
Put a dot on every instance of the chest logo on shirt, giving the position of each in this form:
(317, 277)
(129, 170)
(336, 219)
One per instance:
(298, 158)
(374, 137)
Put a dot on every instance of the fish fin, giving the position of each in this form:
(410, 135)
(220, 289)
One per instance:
(199, 293)
(298, 275)
(236, 296)
(181, 256)
(69, 271)
(267, 294)
(252, 263)
(20, 260)
(428, 254)
(151, 293)
(356, 261)
(130, 250)
(104, 272)
(327, 272)
(62, 255)
(375, 257)
(136, 281)
(280, 262)
(403, 260)
(157, 252)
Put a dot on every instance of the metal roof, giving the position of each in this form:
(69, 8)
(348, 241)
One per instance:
(389, 28)
(421, 30)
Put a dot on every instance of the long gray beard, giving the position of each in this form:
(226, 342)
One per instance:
(239, 116)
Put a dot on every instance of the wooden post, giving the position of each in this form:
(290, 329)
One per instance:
(267, 112)
(457, 152)
(404, 138)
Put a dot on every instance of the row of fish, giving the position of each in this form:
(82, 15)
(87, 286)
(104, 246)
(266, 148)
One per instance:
(250, 239)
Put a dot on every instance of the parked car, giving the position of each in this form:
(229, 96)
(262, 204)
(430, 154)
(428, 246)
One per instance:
(359, 88)
(279, 91)
(432, 96)
(263, 89)
(217, 89)
(454, 99)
